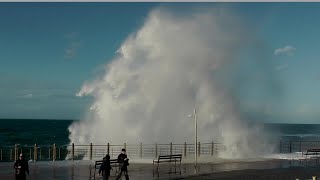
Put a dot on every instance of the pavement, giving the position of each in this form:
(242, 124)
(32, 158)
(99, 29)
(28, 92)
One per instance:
(79, 170)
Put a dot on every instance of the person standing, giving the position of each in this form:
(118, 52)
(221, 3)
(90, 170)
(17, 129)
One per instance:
(105, 167)
(21, 166)
(124, 163)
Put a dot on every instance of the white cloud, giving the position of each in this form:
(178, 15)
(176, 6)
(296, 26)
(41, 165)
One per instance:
(72, 35)
(27, 96)
(73, 45)
(282, 67)
(42, 93)
(287, 50)
(71, 50)
(306, 109)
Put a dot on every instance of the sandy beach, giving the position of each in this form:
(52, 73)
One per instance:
(79, 170)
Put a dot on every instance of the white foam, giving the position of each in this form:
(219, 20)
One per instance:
(170, 66)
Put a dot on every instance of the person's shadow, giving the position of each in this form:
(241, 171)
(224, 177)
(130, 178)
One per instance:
(166, 171)
(126, 175)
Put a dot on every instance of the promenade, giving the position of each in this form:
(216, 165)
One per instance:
(79, 170)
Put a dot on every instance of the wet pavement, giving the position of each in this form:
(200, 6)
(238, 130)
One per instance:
(79, 170)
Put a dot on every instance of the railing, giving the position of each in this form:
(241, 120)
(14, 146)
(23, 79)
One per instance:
(92, 152)
(143, 151)
(297, 146)
(36, 153)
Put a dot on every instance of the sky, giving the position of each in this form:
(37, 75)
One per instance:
(49, 50)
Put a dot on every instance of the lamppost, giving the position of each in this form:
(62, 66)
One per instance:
(194, 115)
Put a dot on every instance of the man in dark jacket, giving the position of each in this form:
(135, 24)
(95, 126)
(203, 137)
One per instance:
(105, 167)
(124, 163)
(22, 167)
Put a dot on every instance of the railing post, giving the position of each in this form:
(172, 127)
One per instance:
(11, 154)
(300, 147)
(185, 149)
(30, 154)
(141, 150)
(125, 146)
(54, 153)
(72, 151)
(171, 148)
(199, 150)
(212, 148)
(90, 151)
(59, 153)
(280, 147)
(35, 152)
(49, 153)
(156, 152)
(40, 154)
(290, 147)
(108, 149)
(15, 152)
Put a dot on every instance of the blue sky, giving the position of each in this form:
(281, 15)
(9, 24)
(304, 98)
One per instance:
(48, 50)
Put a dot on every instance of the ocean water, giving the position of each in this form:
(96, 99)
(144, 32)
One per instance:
(294, 132)
(292, 138)
(46, 132)
(30, 132)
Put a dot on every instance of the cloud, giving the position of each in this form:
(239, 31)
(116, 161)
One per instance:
(43, 94)
(34, 95)
(27, 96)
(306, 109)
(73, 45)
(282, 67)
(72, 35)
(72, 50)
(287, 50)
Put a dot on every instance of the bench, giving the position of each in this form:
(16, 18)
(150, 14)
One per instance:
(311, 153)
(113, 162)
(168, 158)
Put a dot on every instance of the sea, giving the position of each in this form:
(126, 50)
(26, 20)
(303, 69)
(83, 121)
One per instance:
(27, 132)
(30, 132)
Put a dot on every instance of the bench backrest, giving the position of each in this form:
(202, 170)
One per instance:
(100, 162)
(313, 150)
(165, 157)
(174, 156)
(113, 161)
(177, 156)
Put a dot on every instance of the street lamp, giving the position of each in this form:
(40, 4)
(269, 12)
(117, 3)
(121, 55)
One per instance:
(194, 115)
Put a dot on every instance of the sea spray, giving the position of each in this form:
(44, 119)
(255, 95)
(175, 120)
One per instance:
(160, 74)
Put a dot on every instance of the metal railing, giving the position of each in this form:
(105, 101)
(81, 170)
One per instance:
(297, 146)
(93, 151)
(143, 151)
